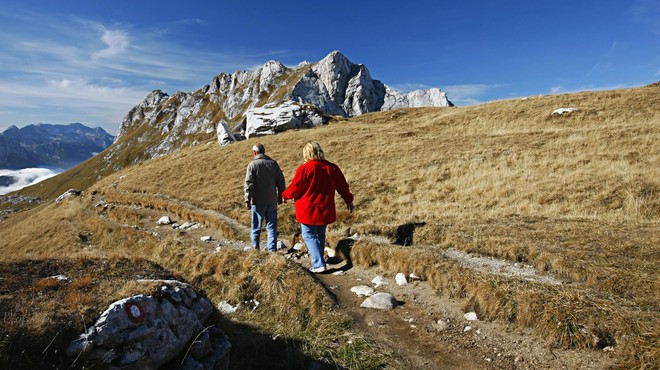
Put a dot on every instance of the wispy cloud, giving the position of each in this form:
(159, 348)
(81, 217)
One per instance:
(57, 67)
(555, 90)
(646, 13)
(570, 90)
(117, 42)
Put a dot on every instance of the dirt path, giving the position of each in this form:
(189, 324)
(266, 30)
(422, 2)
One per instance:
(426, 331)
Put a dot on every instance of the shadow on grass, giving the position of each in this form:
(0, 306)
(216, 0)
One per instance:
(252, 349)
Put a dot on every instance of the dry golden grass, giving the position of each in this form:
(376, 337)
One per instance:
(291, 304)
(575, 195)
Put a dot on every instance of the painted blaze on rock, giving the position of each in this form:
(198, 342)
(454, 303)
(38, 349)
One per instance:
(148, 331)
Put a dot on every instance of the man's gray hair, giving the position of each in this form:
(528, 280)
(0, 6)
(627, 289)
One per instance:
(259, 148)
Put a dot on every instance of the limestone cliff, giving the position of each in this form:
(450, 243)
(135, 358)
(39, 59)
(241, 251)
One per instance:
(267, 100)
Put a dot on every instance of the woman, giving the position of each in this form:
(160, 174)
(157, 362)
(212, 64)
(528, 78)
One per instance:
(313, 188)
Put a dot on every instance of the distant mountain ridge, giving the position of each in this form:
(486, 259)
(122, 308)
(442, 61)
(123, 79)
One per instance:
(239, 104)
(50, 145)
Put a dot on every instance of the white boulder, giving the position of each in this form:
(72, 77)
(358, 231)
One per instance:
(227, 309)
(379, 280)
(560, 111)
(273, 118)
(224, 134)
(363, 290)
(165, 220)
(401, 279)
(147, 332)
(67, 194)
(380, 301)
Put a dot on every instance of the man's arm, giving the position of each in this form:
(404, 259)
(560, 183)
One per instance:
(248, 188)
(280, 184)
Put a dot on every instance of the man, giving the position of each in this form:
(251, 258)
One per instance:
(264, 183)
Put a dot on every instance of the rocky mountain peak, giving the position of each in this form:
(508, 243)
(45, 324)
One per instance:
(234, 104)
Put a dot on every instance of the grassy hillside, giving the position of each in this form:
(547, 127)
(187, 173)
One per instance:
(575, 195)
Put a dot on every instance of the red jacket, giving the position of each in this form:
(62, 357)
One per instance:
(313, 188)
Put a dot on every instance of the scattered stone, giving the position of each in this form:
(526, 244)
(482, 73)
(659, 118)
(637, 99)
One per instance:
(206, 238)
(363, 290)
(247, 248)
(217, 249)
(227, 309)
(252, 304)
(440, 325)
(379, 280)
(281, 245)
(380, 301)
(68, 193)
(401, 279)
(560, 111)
(412, 276)
(190, 226)
(165, 220)
(470, 316)
(467, 328)
(19, 199)
(330, 252)
(298, 246)
(339, 272)
(59, 277)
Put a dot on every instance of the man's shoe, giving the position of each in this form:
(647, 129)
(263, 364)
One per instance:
(318, 270)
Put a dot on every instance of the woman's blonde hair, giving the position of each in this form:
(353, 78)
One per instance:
(312, 150)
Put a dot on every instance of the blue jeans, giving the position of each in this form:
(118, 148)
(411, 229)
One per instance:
(314, 237)
(269, 214)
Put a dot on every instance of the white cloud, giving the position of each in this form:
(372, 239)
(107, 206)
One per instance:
(25, 177)
(555, 90)
(117, 42)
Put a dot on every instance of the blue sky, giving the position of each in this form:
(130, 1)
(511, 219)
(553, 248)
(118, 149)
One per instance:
(92, 61)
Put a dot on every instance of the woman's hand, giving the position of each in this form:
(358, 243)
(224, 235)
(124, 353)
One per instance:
(350, 207)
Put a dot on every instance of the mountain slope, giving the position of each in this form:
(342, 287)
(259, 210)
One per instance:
(572, 195)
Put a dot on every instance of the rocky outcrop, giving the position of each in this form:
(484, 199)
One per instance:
(146, 332)
(418, 98)
(271, 118)
(225, 136)
(265, 101)
(67, 194)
